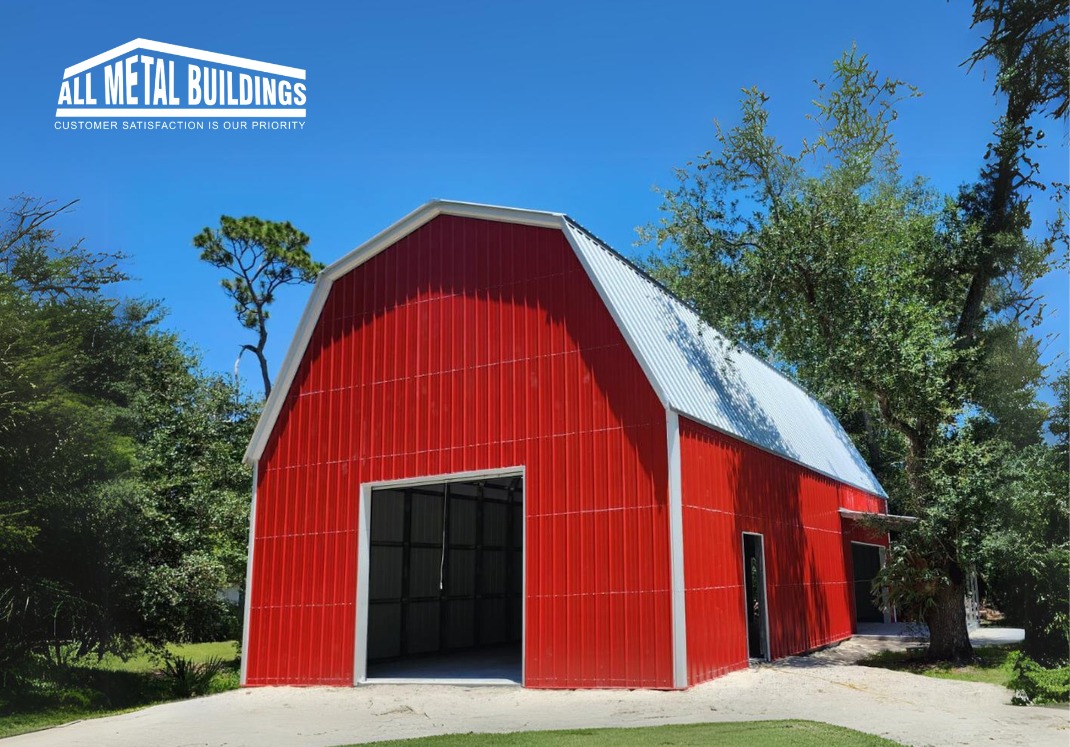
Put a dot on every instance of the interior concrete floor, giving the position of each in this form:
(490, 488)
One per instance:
(489, 665)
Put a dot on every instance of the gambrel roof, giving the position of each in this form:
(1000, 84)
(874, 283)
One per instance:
(693, 368)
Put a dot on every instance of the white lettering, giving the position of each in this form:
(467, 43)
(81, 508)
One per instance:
(131, 80)
(194, 87)
(172, 99)
(146, 62)
(89, 89)
(211, 87)
(159, 88)
(245, 89)
(113, 83)
(231, 100)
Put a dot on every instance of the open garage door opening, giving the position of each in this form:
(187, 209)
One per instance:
(445, 582)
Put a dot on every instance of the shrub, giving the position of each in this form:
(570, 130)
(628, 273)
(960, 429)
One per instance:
(227, 680)
(1033, 683)
(189, 678)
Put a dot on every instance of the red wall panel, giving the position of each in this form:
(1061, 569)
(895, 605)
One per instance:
(471, 345)
(729, 488)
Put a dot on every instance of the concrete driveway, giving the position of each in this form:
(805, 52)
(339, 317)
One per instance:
(908, 708)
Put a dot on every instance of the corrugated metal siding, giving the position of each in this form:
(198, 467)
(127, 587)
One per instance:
(471, 345)
(703, 376)
(730, 487)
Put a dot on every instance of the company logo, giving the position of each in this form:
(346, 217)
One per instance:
(145, 79)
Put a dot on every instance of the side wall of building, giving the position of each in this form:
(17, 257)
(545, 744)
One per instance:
(471, 345)
(729, 488)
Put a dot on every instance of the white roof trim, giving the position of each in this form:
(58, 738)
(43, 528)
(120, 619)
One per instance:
(657, 327)
(179, 51)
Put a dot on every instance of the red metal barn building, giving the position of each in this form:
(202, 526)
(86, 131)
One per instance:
(497, 450)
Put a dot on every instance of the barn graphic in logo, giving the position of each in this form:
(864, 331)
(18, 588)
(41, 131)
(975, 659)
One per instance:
(151, 79)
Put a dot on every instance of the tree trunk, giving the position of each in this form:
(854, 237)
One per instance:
(264, 372)
(949, 640)
(261, 343)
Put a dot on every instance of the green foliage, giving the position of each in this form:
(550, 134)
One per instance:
(189, 678)
(49, 694)
(1026, 552)
(260, 257)
(123, 500)
(1034, 683)
(909, 313)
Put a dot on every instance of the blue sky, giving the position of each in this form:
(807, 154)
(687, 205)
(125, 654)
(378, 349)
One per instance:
(576, 107)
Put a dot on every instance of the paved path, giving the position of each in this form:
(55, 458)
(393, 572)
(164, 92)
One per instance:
(908, 708)
(980, 636)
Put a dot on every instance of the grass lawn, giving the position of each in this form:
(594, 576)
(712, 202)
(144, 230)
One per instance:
(144, 662)
(750, 733)
(91, 688)
(991, 664)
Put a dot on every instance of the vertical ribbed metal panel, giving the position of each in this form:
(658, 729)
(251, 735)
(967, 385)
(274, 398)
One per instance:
(471, 345)
(729, 488)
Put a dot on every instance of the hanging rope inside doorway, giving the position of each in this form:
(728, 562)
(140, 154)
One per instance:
(442, 557)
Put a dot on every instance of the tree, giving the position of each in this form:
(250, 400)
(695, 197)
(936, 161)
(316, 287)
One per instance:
(123, 500)
(1026, 555)
(855, 280)
(187, 492)
(261, 256)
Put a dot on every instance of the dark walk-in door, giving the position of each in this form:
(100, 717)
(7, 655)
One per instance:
(754, 584)
(866, 561)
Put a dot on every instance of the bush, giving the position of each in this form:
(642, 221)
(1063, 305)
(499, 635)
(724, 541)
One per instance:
(229, 679)
(1033, 683)
(189, 678)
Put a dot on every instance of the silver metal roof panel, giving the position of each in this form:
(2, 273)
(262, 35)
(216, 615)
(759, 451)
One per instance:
(702, 375)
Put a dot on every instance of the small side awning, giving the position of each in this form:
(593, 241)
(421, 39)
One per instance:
(888, 520)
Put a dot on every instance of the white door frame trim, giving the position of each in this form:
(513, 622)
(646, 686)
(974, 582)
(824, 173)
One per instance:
(767, 652)
(364, 513)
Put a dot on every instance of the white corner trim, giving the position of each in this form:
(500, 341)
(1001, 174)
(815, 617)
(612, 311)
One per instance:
(243, 678)
(373, 246)
(676, 552)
